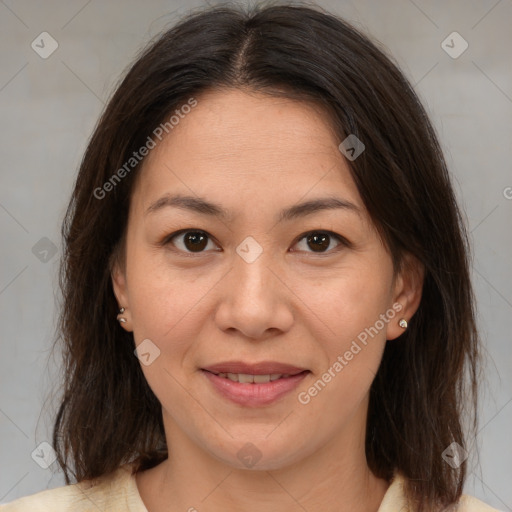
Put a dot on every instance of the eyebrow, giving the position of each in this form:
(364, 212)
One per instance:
(204, 207)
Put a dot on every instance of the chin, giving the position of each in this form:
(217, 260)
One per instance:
(259, 452)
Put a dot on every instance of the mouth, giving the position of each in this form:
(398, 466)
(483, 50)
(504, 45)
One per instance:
(254, 385)
(246, 378)
(255, 369)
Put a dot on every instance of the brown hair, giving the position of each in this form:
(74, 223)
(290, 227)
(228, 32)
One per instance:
(109, 415)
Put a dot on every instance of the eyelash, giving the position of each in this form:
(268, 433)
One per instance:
(343, 242)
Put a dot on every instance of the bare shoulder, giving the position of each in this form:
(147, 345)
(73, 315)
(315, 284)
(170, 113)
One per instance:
(116, 491)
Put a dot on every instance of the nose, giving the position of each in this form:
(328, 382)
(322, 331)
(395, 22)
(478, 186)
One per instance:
(254, 300)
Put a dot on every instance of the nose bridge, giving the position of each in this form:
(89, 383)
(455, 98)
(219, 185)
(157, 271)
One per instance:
(254, 300)
(252, 279)
(251, 265)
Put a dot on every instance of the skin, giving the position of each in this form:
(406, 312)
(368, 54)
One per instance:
(254, 155)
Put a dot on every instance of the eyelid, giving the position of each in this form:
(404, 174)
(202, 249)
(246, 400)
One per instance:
(341, 239)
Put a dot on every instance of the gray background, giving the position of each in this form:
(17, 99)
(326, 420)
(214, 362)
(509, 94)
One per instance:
(49, 108)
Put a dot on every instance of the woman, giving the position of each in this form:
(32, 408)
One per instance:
(267, 301)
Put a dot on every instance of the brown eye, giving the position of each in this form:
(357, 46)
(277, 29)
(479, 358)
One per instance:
(195, 241)
(320, 241)
(189, 241)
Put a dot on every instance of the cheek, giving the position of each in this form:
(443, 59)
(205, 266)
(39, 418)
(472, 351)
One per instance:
(363, 326)
(347, 302)
(351, 311)
(163, 299)
(352, 319)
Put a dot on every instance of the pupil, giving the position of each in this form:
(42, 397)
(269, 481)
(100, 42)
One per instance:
(197, 239)
(322, 238)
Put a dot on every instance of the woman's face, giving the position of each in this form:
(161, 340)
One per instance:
(256, 285)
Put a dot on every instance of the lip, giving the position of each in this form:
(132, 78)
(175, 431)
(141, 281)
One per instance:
(253, 394)
(262, 368)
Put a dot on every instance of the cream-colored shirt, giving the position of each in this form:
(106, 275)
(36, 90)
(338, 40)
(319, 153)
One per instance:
(118, 493)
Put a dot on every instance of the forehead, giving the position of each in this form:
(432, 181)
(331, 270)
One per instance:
(246, 144)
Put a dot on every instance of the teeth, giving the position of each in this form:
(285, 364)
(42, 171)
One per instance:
(259, 379)
(245, 378)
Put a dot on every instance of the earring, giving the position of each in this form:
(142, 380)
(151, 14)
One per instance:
(403, 323)
(121, 319)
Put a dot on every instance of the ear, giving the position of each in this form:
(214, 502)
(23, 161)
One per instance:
(118, 276)
(407, 292)
(119, 284)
